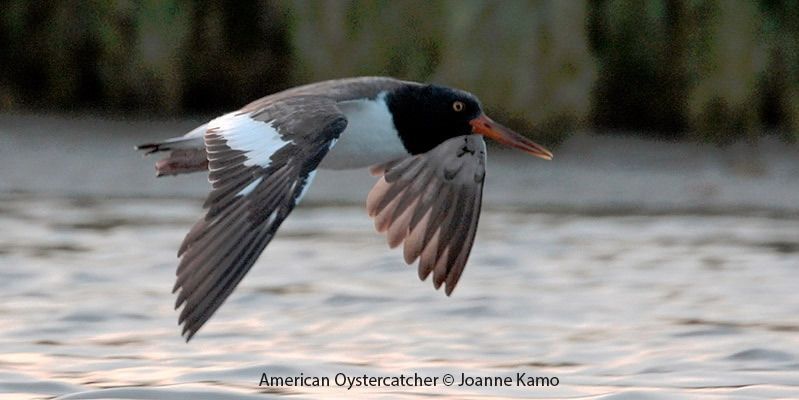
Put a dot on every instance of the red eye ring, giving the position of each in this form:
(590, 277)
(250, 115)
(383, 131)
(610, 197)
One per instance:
(458, 106)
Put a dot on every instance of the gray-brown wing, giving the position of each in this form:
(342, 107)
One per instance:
(338, 89)
(260, 165)
(431, 202)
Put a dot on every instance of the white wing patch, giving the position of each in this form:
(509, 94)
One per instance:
(249, 188)
(307, 186)
(257, 139)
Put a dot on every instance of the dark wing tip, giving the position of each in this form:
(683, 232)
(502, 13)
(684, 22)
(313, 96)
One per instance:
(188, 332)
(222, 247)
(149, 147)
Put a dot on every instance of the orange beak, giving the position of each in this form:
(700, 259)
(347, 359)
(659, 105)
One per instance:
(487, 127)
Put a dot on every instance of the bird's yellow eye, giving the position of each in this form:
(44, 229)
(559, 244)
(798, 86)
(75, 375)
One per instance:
(457, 106)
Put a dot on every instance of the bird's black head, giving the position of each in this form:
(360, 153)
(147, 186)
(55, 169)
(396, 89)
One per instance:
(426, 115)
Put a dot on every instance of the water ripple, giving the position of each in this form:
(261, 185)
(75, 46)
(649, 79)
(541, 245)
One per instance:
(617, 307)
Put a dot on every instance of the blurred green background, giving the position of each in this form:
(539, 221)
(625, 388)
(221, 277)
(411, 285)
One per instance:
(706, 70)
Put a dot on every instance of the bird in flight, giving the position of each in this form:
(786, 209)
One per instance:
(425, 142)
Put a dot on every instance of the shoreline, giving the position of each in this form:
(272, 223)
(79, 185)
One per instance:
(74, 157)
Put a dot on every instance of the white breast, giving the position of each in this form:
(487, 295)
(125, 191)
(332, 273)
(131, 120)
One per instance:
(370, 137)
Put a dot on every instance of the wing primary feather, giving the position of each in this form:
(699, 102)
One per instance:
(230, 197)
(398, 230)
(196, 231)
(202, 263)
(195, 301)
(375, 196)
(383, 219)
(460, 227)
(427, 260)
(215, 229)
(446, 230)
(463, 256)
(201, 273)
(210, 288)
(414, 244)
(431, 202)
(414, 190)
(407, 168)
(213, 301)
(222, 246)
(431, 195)
(440, 268)
(380, 199)
(441, 209)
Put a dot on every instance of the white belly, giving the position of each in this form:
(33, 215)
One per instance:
(370, 137)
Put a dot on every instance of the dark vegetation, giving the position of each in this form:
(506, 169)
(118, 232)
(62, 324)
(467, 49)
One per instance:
(716, 70)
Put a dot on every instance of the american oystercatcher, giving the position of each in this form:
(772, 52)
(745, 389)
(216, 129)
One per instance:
(424, 141)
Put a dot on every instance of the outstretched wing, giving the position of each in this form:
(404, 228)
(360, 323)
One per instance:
(260, 164)
(431, 202)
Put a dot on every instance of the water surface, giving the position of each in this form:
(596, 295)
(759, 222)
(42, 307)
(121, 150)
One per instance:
(615, 307)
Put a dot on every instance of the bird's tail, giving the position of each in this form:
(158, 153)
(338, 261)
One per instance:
(186, 153)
